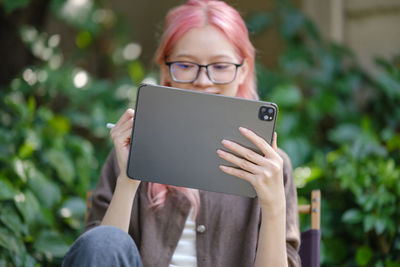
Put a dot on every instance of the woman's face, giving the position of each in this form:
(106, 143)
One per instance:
(204, 46)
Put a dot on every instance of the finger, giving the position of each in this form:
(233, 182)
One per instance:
(126, 134)
(241, 163)
(127, 125)
(122, 137)
(244, 152)
(274, 142)
(117, 130)
(238, 173)
(128, 114)
(259, 142)
(126, 117)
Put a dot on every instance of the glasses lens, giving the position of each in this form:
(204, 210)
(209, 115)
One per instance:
(222, 72)
(183, 71)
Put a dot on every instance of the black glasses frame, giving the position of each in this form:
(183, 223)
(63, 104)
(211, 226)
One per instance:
(169, 63)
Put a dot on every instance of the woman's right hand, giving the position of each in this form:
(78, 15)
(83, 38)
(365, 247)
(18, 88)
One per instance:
(121, 136)
(118, 213)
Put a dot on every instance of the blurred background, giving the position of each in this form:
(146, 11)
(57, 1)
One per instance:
(70, 66)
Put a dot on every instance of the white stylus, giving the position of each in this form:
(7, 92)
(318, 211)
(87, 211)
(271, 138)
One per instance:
(109, 125)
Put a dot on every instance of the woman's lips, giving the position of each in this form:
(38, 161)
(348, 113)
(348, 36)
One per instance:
(211, 91)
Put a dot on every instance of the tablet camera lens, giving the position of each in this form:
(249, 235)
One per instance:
(266, 113)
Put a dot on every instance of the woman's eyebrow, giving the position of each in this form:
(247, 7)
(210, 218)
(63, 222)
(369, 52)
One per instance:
(223, 58)
(185, 55)
(219, 57)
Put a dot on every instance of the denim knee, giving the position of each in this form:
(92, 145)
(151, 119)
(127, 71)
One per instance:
(106, 237)
(103, 246)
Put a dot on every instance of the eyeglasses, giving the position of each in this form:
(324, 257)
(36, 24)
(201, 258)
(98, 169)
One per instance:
(188, 72)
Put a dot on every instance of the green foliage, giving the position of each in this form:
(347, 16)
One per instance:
(339, 124)
(341, 127)
(39, 169)
(53, 138)
(11, 5)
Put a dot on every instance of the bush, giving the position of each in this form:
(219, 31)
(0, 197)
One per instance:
(341, 127)
(339, 124)
(53, 138)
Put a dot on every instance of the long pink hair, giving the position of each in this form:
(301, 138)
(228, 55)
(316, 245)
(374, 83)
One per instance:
(196, 14)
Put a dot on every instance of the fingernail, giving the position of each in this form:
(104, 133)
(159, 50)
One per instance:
(223, 167)
(243, 130)
(220, 152)
(226, 142)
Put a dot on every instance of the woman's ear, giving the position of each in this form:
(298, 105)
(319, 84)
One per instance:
(165, 78)
(243, 71)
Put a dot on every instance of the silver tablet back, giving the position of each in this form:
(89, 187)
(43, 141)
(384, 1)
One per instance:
(176, 134)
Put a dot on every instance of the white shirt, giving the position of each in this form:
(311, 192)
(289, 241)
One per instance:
(185, 252)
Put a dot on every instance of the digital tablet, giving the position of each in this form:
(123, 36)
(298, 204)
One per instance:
(177, 132)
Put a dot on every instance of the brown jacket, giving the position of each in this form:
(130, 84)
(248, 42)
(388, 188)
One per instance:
(227, 225)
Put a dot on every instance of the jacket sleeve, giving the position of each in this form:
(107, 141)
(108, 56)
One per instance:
(103, 193)
(292, 215)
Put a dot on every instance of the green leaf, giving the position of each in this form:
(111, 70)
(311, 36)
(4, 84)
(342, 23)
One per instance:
(352, 216)
(32, 143)
(369, 223)
(258, 22)
(345, 133)
(316, 173)
(16, 101)
(59, 125)
(296, 60)
(73, 210)
(369, 203)
(298, 149)
(6, 190)
(334, 250)
(390, 86)
(136, 71)
(83, 39)
(24, 259)
(10, 242)
(11, 219)
(19, 169)
(76, 206)
(292, 23)
(31, 105)
(11, 5)
(48, 193)
(389, 263)
(364, 255)
(327, 102)
(62, 164)
(286, 95)
(26, 150)
(380, 225)
(51, 243)
(28, 205)
(48, 217)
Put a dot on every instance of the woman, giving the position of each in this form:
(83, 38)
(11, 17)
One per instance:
(173, 226)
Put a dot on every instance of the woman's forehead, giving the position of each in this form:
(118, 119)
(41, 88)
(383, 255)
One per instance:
(206, 43)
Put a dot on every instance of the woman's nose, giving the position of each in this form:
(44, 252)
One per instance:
(202, 80)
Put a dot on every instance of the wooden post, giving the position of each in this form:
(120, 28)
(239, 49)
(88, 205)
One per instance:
(315, 209)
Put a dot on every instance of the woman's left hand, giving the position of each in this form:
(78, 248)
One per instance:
(263, 172)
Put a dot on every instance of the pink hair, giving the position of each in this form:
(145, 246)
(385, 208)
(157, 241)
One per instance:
(196, 14)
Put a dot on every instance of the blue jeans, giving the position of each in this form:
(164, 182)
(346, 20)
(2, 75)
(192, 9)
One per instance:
(103, 246)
